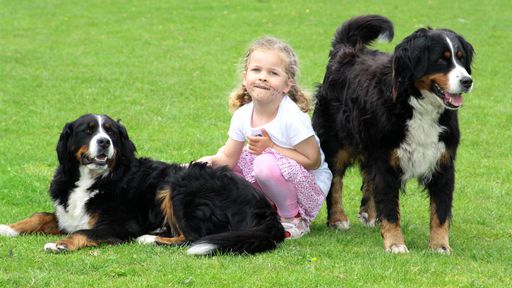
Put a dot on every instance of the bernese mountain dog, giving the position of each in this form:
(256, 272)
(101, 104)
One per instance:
(396, 116)
(103, 193)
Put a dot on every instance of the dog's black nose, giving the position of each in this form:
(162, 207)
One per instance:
(466, 82)
(103, 142)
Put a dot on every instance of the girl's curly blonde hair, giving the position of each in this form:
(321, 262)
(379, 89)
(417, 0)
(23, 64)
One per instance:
(240, 96)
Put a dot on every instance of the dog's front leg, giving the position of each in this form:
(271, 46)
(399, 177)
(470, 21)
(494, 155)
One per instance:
(441, 188)
(160, 240)
(41, 222)
(387, 187)
(87, 238)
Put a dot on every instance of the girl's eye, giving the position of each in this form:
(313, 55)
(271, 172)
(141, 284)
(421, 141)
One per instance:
(273, 73)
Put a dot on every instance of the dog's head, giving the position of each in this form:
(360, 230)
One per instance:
(434, 63)
(96, 142)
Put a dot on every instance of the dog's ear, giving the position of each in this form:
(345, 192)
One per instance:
(127, 148)
(468, 52)
(410, 61)
(63, 150)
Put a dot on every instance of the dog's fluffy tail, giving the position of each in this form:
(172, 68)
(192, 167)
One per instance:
(259, 239)
(363, 30)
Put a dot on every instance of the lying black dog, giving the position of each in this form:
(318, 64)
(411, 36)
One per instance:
(102, 193)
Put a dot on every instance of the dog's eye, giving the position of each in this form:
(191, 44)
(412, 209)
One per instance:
(88, 131)
(460, 55)
(441, 61)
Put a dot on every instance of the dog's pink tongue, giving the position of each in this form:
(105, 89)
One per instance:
(454, 99)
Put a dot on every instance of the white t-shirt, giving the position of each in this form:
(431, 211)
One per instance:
(290, 127)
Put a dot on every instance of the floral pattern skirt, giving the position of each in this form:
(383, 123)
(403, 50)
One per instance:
(309, 196)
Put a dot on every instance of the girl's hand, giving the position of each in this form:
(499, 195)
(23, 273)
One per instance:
(257, 144)
(205, 159)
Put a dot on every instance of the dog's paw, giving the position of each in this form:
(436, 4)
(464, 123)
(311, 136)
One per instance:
(340, 225)
(146, 239)
(366, 221)
(441, 249)
(55, 248)
(397, 249)
(8, 231)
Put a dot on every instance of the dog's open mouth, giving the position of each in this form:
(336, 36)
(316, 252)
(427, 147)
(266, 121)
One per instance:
(453, 101)
(100, 159)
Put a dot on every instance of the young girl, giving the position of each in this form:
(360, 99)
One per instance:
(282, 157)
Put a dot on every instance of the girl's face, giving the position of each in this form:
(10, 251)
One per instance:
(265, 78)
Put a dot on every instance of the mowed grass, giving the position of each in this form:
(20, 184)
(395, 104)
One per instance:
(166, 67)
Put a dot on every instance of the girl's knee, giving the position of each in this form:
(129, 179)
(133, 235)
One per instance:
(266, 168)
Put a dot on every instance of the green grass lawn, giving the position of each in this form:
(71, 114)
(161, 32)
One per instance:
(166, 68)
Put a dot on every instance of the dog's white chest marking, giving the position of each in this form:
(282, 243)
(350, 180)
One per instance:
(75, 217)
(421, 148)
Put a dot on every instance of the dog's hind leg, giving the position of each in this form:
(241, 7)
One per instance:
(367, 212)
(41, 222)
(337, 218)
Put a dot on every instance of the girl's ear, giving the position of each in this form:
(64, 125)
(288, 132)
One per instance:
(290, 83)
(244, 73)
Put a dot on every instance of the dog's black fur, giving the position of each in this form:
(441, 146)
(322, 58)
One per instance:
(396, 115)
(103, 193)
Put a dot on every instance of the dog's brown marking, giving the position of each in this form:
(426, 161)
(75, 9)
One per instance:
(164, 196)
(344, 158)
(438, 239)
(394, 160)
(93, 219)
(83, 150)
(447, 55)
(459, 54)
(76, 241)
(392, 234)
(170, 241)
(368, 194)
(425, 82)
(445, 158)
(42, 222)
(336, 213)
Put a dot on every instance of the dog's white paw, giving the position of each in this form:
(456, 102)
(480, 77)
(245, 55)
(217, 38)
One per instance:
(364, 219)
(54, 248)
(443, 251)
(398, 249)
(146, 239)
(8, 231)
(340, 225)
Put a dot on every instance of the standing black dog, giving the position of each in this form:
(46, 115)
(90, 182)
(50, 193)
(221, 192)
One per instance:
(396, 115)
(102, 193)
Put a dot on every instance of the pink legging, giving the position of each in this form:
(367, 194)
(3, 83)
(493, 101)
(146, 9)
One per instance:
(271, 182)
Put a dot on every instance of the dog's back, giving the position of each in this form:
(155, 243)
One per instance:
(356, 83)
